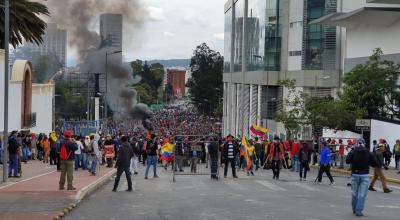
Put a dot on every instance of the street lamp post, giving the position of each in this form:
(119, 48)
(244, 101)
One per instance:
(106, 92)
(6, 60)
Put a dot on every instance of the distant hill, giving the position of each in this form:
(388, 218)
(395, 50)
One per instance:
(172, 63)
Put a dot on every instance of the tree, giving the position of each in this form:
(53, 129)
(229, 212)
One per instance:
(292, 115)
(151, 80)
(206, 86)
(374, 87)
(302, 109)
(67, 104)
(25, 22)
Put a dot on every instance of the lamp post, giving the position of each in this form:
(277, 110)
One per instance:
(106, 92)
(6, 60)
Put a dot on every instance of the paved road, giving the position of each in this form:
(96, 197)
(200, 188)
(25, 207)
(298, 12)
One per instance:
(257, 197)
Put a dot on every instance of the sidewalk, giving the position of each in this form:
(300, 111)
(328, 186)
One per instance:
(38, 198)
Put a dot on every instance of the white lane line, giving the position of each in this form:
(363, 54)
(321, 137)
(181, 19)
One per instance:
(11, 184)
(304, 186)
(270, 186)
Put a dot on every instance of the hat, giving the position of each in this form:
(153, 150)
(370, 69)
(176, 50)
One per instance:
(68, 133)
(276, 137)
(229, 135)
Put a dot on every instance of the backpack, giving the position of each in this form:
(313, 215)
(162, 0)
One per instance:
(90, 147)
(64, 155)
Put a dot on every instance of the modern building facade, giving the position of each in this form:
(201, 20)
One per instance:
(270, 41)
(54, 44)
(111, 30)
(367, 25)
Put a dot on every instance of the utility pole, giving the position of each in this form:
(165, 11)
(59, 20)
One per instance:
(6, 83)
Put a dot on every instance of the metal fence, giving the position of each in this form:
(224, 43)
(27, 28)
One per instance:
(192, 158)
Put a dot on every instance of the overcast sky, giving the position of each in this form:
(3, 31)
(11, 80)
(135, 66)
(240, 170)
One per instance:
(174, 28)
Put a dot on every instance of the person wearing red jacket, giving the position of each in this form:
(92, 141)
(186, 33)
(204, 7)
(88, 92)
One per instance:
(295, 155)
(276, 156)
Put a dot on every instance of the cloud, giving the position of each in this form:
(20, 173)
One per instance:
(155, 13)
(219, 36)
(168, 34)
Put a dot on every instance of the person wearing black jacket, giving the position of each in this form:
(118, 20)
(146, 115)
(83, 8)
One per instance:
(213, 152)
(360, 159)
(13, 146)
(179, 152)
(230, 151)
(304, 159)
(125, 153)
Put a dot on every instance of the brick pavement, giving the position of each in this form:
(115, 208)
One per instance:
(39, 198)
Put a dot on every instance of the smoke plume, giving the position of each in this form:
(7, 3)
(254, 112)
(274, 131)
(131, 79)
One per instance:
(80, 18)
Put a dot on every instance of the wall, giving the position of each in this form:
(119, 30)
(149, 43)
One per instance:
(42, 104)
(386, 130)
(295, 33)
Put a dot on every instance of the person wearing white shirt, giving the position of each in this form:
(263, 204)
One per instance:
(78, 153)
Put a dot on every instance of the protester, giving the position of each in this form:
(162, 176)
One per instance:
(46, 149)
(95, 154)
(78, 153)
(361, 159)
(179, 153)
(276, 152)
(378, 172)
(213, 152)
(341, 154)
(295, 155)
(396, 154)
(13, 146)
(152, 156)
(304, 161)
(125, 153)
(67, 149)
(325, 161)
(109, 151)
(53, 148)
(259, 156)
(229, 152)
(135, 158)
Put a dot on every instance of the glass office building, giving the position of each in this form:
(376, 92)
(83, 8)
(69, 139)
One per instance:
(267, 41)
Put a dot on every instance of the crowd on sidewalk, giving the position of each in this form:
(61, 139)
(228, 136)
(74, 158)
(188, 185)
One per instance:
(182, 137)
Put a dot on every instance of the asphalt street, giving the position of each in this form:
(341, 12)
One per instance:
(258, 197)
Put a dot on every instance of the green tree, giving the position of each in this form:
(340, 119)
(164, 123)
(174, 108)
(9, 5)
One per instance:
(205, 86)
(149, 88)
(67, 104)
(374, 87)
(292, 115)
(25, 22)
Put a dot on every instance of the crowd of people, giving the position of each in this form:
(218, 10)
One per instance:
(182, 137)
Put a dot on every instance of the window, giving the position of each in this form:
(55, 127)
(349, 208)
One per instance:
(294, 53)
(296, 24)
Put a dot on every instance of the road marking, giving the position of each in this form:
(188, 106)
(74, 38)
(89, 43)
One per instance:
(11, 184)
(270, 186)
(305, 186)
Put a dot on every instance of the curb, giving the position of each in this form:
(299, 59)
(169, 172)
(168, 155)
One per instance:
(84, 192)
(342, 171)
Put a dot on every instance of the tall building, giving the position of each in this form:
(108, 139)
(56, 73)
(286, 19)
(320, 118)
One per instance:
(54, 44)
(269, 41)
(111, 30)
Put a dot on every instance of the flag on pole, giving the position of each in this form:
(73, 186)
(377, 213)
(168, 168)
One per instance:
(258, 130)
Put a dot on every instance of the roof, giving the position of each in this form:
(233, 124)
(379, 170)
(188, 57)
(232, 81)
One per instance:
(384, 1)
(371, 16)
